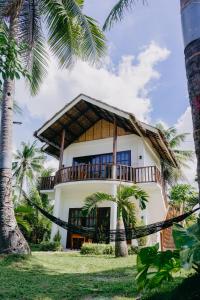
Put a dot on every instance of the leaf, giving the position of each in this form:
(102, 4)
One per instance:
(183, 238)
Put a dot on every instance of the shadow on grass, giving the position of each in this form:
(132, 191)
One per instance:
(19, 280)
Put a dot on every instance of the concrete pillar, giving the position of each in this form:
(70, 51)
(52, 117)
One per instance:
(56, 211)
(113, 211)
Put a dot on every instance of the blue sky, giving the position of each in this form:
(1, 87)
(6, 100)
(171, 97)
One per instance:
(158, 21)
(145, 59)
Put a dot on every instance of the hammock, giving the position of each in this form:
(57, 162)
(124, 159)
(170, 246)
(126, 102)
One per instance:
(113, 235)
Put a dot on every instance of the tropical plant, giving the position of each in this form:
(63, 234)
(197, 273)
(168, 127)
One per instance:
(125, 208)
(154, 267)
(173, 175)
(187, 240)
(183, 196)
(28, 163)
(70, 35)
(40, 227)
(192, 63)
(21, 213)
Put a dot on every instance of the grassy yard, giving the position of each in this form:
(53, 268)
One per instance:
(58, 276)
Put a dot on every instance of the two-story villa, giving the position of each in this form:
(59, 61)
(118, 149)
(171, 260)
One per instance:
(99, 147)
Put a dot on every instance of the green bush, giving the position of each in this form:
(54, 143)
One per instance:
(132, 250)
(97, 249)
(47, 246)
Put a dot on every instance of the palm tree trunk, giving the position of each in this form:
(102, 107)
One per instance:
(191, 35)
(193, 76)
(11, 238)
(121, 249)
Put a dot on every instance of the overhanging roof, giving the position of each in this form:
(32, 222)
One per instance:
(82, 113)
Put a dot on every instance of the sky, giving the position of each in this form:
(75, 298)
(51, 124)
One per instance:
(143, 72)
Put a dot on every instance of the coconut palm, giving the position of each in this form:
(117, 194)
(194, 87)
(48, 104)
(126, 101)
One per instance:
(170, 174)
(191, 60)
(27, 165)
(70, 35)
(125, 207)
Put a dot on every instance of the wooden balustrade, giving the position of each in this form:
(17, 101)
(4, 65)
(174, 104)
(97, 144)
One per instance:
(102, 172)
(47, 183)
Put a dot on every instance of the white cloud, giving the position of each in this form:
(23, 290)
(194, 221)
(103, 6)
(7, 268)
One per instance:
(184, 124)
(126, 87)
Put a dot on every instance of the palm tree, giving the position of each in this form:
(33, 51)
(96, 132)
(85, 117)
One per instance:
(70, 35)
(125, 207)
(27, 165)
(192, 60)
(172, 175)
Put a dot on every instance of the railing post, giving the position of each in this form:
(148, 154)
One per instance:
(62, 149)
(114, 167)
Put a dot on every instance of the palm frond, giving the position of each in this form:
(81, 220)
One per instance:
(93, 200)
(118, 11)
(126, 192)
(34, 54)
(72, 34)
(178, 139)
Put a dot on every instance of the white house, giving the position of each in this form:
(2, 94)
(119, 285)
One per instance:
(100, 147)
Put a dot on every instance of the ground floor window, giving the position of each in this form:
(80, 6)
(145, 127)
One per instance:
(100, 219)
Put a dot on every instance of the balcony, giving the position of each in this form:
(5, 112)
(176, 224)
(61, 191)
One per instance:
(85, 172)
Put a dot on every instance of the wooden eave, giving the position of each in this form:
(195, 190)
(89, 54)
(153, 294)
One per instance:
(82, 113)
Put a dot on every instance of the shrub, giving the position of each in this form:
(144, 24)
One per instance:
(142, 241)
(46, 246)
(133, 250)
(97, 249)
(57, 237)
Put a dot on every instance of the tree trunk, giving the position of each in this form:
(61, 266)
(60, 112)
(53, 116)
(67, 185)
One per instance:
(191, 35)
(11, 238)
(193, 76)
(121, 249)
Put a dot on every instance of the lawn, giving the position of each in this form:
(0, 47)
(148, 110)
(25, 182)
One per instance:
(58, 276)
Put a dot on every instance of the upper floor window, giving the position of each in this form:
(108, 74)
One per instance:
(123, 158)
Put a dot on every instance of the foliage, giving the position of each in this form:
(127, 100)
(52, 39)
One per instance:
(173, 175)
(132, 250)
(125, 209)
(187, 240)
(57, 237)
(40, 227)
(10, 57)
(21, 213)
(50, 246)
(123, 200)
(155, 267)
(117, 12)
(70, 34)
(183, 193)
(97, 249)
(27, 165)
(142, 241)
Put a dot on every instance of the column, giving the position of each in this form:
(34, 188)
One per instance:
(62, 146)
(114, 168)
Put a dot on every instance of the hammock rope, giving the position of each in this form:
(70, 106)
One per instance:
(113, 235)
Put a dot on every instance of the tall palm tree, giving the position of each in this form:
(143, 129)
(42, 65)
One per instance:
(70, 35)
(191, 34)
(27, 165)
(173, 175)
(125, 207)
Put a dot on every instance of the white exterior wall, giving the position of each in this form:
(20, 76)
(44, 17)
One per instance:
(127, 142)
(73, 194)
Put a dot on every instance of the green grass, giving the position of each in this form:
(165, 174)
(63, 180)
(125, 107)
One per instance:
(59, 276)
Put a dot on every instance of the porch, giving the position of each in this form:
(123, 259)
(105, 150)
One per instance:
(117, 172)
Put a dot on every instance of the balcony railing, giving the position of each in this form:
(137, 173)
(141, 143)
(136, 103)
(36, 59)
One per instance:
(102, 172)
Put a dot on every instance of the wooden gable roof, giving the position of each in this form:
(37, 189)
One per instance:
(84, 113)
